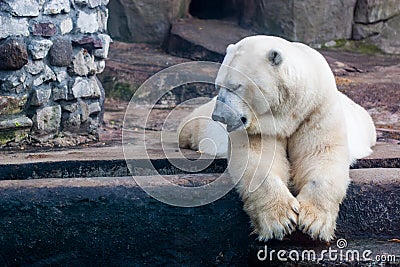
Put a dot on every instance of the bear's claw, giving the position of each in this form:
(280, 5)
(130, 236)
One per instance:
(317, 223)
(277, 220)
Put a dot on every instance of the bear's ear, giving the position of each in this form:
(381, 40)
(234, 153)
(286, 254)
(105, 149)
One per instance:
(275, 57)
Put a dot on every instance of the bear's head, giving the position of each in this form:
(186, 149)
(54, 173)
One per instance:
(265, 78)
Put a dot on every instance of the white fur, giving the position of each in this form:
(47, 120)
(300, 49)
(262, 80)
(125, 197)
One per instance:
(301, 136)
(199, 132)
(360, 129)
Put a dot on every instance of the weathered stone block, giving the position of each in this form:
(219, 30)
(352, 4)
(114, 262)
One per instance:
(60, 92)
(70, 107)
(86, 87)
(40, 96)
(45, 29)
(130, 20)
(46, 76)
(90, 3)
(307, 21)
(54, 7)
(84, 110)
(14, 122)
(105, 41)
(389, 38)
(102, 18)
(39, 48)
(91, 125)
(35, 67)
(87, 22)
(13, 54)
(362, 31)
(71, 122)
(100, 66)
(12, 104)
(10, 26)
(90, 43)
(369, 11)
(47, 120)
(24, 8)
(66, 26)
(13, 83)
(61, 52)
(83, 64)
(61, 74)
(94, 108)
(14, 128)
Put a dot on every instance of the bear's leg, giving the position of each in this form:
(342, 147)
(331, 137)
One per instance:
(263, 185)
(321, 179)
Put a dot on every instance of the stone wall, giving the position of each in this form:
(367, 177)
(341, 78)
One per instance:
(50, 53)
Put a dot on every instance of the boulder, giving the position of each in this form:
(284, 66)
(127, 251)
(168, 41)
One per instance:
(143, 21)
(191, 38)
(369, 11)
(388, 40)
(362, 31)
(307, 21)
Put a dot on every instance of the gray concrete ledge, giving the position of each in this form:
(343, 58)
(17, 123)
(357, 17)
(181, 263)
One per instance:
(111, 221)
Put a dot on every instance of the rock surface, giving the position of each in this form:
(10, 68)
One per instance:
(40, 48)
(10, 26)
(372, 11)
(45, 29)
(47, 121)
(388, 39)
(143, 21)
(191, 38)
(24, 8)
(10, 105)
(306, 21)
(61, 52)
(13, 54)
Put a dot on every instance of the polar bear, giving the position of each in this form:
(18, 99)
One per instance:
(292, 135)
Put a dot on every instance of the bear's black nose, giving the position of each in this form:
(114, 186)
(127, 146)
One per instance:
(219, 118)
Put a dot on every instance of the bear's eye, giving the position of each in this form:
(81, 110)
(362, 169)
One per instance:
(275, 57)
(234, 87)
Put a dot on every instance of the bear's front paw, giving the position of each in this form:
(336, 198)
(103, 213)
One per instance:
(276, 219)
(317, 222)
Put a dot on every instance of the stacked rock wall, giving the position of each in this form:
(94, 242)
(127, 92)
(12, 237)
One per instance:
(50, 53)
